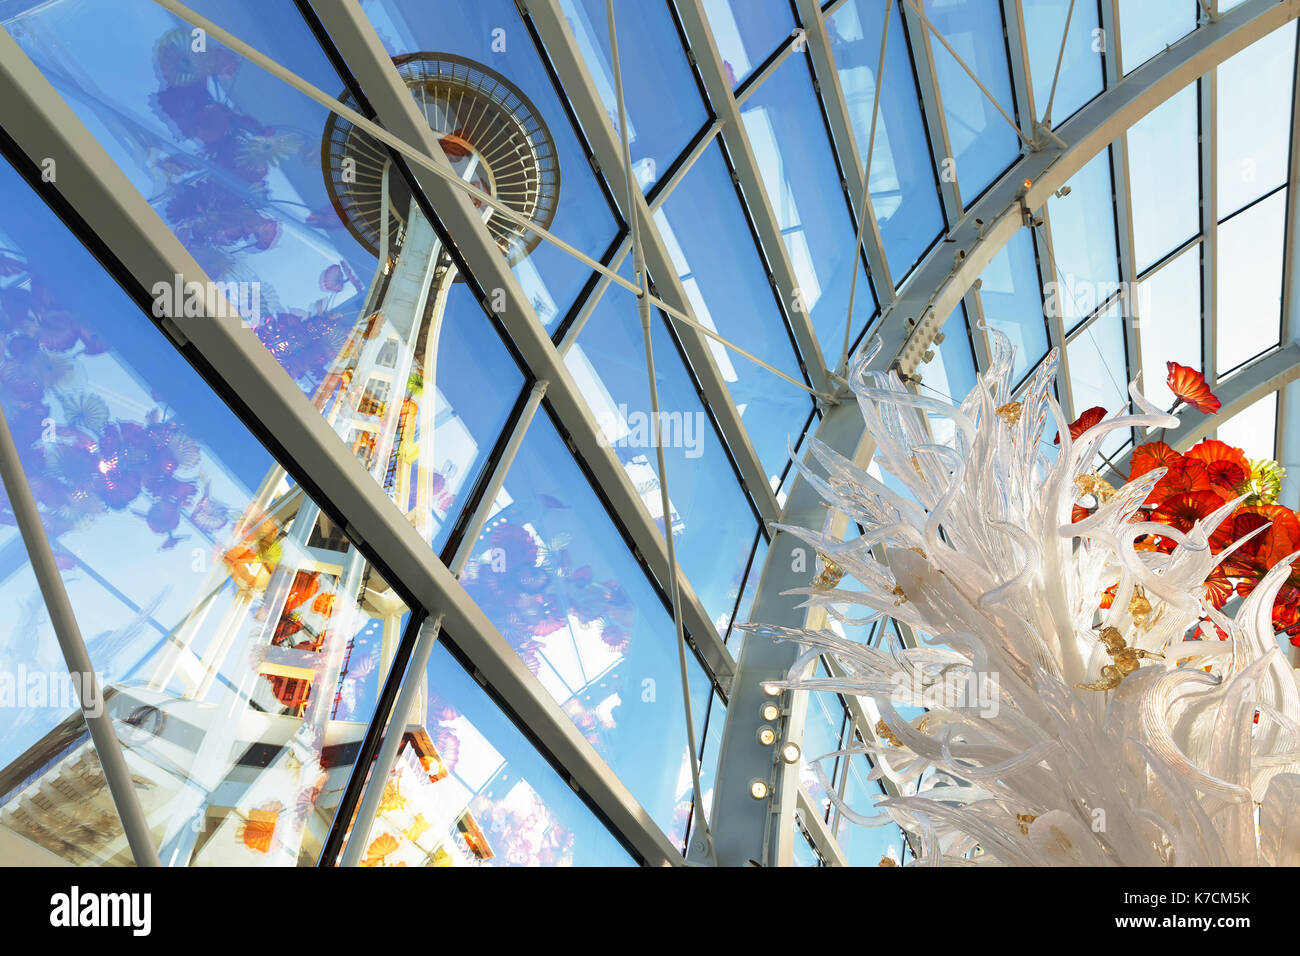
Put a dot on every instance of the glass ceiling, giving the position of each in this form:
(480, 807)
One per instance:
(248, 640)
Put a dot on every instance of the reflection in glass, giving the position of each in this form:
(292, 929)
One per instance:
(785, 128)
(468, 789)
(902, 184)
(557, 579)
(713, 524)
(239, 635)
(310, 233)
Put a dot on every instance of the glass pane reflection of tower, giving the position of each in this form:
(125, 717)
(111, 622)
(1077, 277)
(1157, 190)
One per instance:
(242, 722)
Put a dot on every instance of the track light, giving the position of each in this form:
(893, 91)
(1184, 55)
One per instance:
(769, 712)
(791, 753)
(758, 789)
(767, 735)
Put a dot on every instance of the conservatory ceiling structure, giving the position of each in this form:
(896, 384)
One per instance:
(327, 379)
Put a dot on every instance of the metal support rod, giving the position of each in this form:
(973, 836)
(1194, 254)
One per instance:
(89, 691)
(393, 736)
(843, 367)
(427, 163)
(414, 680)
(643, 308)
(1047, 113)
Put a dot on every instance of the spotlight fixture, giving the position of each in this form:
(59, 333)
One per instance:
(767, 735)
(770, 689)
(769, 712)
(758, 789)
(791, 753)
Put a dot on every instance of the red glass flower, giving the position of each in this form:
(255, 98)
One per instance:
(1189, 386)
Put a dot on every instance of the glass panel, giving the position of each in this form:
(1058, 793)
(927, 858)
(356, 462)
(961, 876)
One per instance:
(712, 521)
(489, 34)
(1081, 74)
(395, 354)
(736, 637)
(655, 72)
(1249, 315)
(1083, 244)
(557, 579)
(747, 32)
(1146, 27)
(1099, 370)
(710, 755)
(1254, 117)
(1169, 308)
(1013, 303)
(865, 846)
(790, 144)
(983, 142)
(903, 187)
(468, 789)
(804, 854)
(951, 373)
(238, 633)
(822, 734)
(712, 249)
(1164, 178)
(1253, 430)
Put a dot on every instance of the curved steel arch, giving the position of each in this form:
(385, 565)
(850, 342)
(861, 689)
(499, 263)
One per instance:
(747, 829)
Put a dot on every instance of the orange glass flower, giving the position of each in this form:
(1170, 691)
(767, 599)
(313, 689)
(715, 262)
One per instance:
(1184, 509)
(1189, 386)
(1154, 454)
(1228, 466)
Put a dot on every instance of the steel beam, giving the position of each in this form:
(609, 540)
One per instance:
(750, 178)
(844, 141)
(552, 26)
(398, 112)
(235, 361)
(81, 669)
(743, 826)
(945, 275)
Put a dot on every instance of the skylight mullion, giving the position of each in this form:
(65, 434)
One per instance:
(552, 27)
(927, 78)
(1288, 400)
(1023, 85)
(1114, 68)
(738, 145)
(1209, 147)
(845, 144)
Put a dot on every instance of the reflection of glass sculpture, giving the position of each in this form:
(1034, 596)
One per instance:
(1059, 727)
(242, 722)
